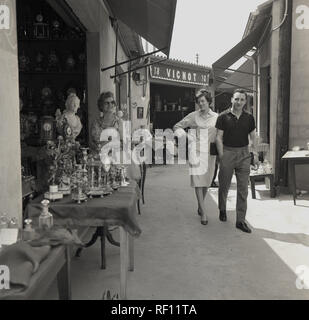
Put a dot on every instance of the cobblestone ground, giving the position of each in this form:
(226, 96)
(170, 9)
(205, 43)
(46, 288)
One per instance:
(178, 258)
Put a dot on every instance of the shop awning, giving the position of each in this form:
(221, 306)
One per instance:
(245, 45)
(151, 19)
(242, 78)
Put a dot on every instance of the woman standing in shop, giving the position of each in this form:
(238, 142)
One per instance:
(202, 173)
(108, 119)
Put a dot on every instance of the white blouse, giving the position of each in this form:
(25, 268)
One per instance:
(194, 120)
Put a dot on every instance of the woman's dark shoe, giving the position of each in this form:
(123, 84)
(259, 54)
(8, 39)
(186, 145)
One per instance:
(203, 221)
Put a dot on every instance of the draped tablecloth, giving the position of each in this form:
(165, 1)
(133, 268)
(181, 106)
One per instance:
(118, 208)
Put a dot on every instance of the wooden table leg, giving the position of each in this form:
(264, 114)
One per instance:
(103, 256)
(123, 263)
(293, 179)
(252, 182)
(131, 253)
(272, 187)
(64, 278)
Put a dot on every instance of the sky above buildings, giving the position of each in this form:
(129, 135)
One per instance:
(209, 28)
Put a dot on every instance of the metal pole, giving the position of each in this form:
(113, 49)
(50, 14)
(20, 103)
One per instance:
(140, 67)
(132, 59)
(116, 52)
(129, 91)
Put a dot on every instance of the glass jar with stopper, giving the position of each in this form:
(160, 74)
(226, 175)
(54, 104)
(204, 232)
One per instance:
(28, 232)
(46, 218)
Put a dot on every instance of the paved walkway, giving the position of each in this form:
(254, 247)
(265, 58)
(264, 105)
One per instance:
(178, 258)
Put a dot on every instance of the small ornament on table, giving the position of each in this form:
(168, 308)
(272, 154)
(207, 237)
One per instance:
(123, 171)
(64, 186)
(54, 152)
(96, 187)
(113, 174)
(46, 218)
(106, 167)
(53, 193)
(80, 182)
(118, 175)
(64, 158)
(85, 156)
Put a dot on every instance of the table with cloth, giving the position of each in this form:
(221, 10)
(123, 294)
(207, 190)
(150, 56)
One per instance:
(33, 269)
(295, 158)
(117, 209)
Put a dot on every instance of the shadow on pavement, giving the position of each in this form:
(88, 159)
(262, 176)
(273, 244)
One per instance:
(299, 238)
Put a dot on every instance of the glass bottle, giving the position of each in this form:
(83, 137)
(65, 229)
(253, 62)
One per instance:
(29, 232)
(13, 224)
(46, 218)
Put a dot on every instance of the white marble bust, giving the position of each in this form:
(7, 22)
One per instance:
(71, 106)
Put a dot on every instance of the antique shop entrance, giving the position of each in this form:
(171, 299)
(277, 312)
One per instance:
(52, 64)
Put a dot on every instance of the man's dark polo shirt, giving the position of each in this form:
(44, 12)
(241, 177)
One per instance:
(235, 130)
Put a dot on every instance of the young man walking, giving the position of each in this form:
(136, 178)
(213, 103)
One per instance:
(234, 126)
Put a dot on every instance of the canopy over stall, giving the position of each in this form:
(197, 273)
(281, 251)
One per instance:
(151, 19)
(258, 27)
(232, 56)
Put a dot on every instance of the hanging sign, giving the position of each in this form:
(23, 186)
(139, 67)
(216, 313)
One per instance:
(183, 75)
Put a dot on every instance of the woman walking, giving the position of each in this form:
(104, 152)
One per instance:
(201, 175)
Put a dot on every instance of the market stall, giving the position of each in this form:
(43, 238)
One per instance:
(172, 90)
